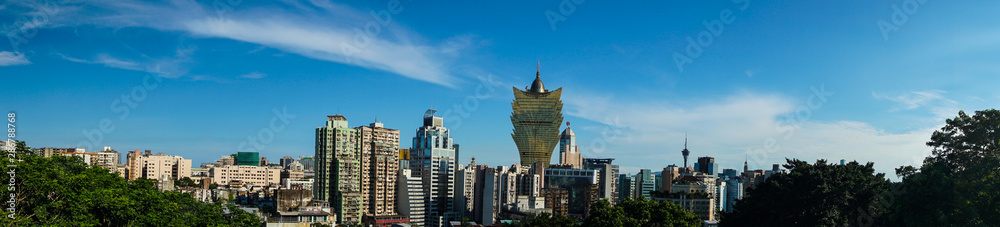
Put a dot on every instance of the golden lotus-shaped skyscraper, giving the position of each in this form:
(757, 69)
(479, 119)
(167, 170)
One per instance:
(536, 116)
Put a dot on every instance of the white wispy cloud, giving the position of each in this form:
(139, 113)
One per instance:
(316, 29)
(732, 129)
(254, 75)
(172, 67)
(8, 58)
(915, 99)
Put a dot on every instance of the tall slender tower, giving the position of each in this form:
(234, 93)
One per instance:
(569, 153)
(686, 152)
(338, 169)
(536, 116)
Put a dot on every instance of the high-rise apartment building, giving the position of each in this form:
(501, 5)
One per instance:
(569, 153)
(379, 147)
(536, 116)
(465, 186)
(433, 159)
(338, 169)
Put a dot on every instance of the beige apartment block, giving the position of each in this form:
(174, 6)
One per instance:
(253, 175)
(379, 148)
(155, 166)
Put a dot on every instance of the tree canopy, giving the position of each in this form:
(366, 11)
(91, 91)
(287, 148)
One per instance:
(639, 212)
(959, 184)
(62, 191)
(819, 194)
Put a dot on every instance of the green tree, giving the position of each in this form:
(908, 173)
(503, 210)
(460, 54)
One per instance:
(62, 191)
(640, 212)
(959, 184)
(546, 219)
(821, 194)
(185, 182)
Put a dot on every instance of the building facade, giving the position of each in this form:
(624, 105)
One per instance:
(379, 168)
(246, 174)
(645, 182)
(569, 153)
(706, 165)
(433, 159)
(578, 184)
(156, 166)
(626, 187)
(247, 158)
(338, 169)
(107, 159)
(48, 152)
(410, 197)
(536, 117)
(465, 188)
(607, 177)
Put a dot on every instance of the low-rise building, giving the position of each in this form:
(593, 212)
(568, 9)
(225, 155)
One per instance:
(298, 183)
(154, 166)
(246, 174)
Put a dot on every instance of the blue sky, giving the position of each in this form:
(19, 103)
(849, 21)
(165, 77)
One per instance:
(855, 80)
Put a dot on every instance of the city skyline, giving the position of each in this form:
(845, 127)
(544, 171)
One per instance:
(216, 87)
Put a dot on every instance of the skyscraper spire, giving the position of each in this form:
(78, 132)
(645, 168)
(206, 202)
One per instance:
(745, 166)
(538, 69)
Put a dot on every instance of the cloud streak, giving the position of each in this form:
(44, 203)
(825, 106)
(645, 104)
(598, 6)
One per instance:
(915, 99)
(254, 75)
(166, 67)
(8, 58)
(315, 29)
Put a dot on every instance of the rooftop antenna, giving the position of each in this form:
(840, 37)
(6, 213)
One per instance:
(538, 69)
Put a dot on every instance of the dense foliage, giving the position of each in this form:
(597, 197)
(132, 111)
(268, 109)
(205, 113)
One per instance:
(959, 184)
(820, 194)
(639, 212)
(62, 191)
(185, 182)
(545, 219)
